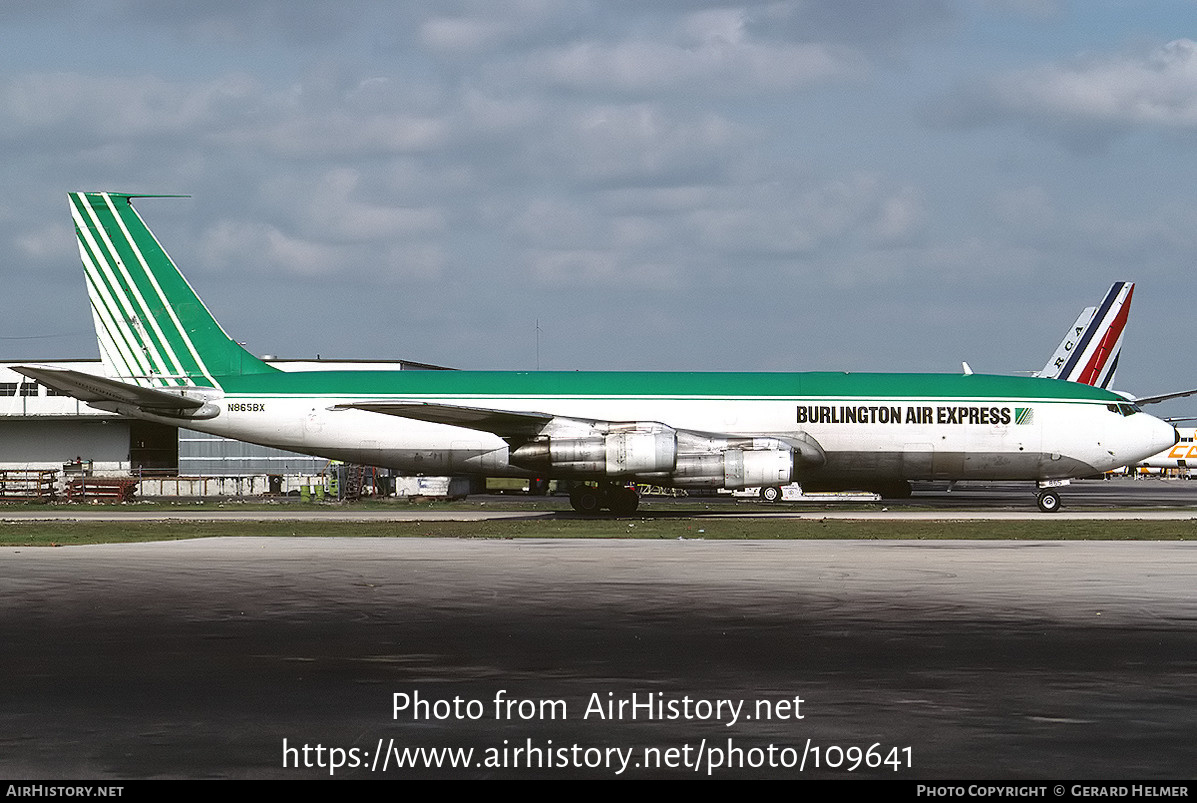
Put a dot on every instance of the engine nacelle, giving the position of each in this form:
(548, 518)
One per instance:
(619, 454)
(735, 468)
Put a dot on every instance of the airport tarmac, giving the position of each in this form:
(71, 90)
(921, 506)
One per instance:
(274, 658)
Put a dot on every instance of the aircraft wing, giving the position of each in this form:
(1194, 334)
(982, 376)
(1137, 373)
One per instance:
(504, 423)
(1141, 400)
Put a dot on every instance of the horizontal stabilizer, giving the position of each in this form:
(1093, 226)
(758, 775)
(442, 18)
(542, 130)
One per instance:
(101, 390)
(504, 423)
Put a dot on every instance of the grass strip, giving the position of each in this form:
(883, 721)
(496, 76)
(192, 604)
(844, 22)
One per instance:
(55, 533)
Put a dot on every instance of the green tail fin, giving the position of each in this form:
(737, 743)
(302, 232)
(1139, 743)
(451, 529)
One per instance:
(153, 329)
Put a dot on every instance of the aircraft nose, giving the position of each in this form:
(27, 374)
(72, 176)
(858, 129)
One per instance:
(1144, 436)
(1163, 435)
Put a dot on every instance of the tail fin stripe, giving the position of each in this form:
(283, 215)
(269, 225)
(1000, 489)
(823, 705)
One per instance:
(150, 314)
(1108, 345)
(110, 356)
(184, 342)
(101, 285)
(1109, 375)
(1103, 373)
(123, 356)
(115, 300)
(97, 278)
(165, 361)
(1099, 316)
(178, 326)
(147, 274)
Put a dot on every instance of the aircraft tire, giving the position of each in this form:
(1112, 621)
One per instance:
(623, 501)
(899, 490)
(586, 499)
(771, 493)
(1049, 501)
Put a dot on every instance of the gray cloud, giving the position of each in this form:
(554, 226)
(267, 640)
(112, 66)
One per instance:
(859, 23)
(1091, 99)
(303, 23)
(726, 62)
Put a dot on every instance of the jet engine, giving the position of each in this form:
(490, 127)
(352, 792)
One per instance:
(653, 452)
(618, 454)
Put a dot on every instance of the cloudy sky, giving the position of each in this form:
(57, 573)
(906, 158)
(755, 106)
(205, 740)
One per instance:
(794, 185)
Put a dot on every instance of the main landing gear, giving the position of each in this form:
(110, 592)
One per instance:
(896, 490)
(591, 500)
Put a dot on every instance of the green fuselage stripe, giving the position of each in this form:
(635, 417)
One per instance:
(636, 385)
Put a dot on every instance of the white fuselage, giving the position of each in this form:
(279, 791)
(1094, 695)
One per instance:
(899, 439)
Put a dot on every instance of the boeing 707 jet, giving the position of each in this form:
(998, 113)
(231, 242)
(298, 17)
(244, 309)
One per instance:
(168, 360)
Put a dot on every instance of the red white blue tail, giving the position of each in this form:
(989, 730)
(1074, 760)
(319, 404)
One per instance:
(1089, 351)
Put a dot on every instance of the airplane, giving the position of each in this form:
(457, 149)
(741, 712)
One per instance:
(1091, 347)
(168, 360)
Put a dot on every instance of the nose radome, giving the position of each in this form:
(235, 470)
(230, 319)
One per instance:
(1142, 436)
(1163, 435)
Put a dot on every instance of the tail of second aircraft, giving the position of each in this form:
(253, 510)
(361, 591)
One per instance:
(152, 328)
(1089, 351)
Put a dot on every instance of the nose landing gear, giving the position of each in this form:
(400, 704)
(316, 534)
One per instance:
(1049, 500)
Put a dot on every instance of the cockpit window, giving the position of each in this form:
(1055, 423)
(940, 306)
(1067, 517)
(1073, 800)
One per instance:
(1124, 408)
